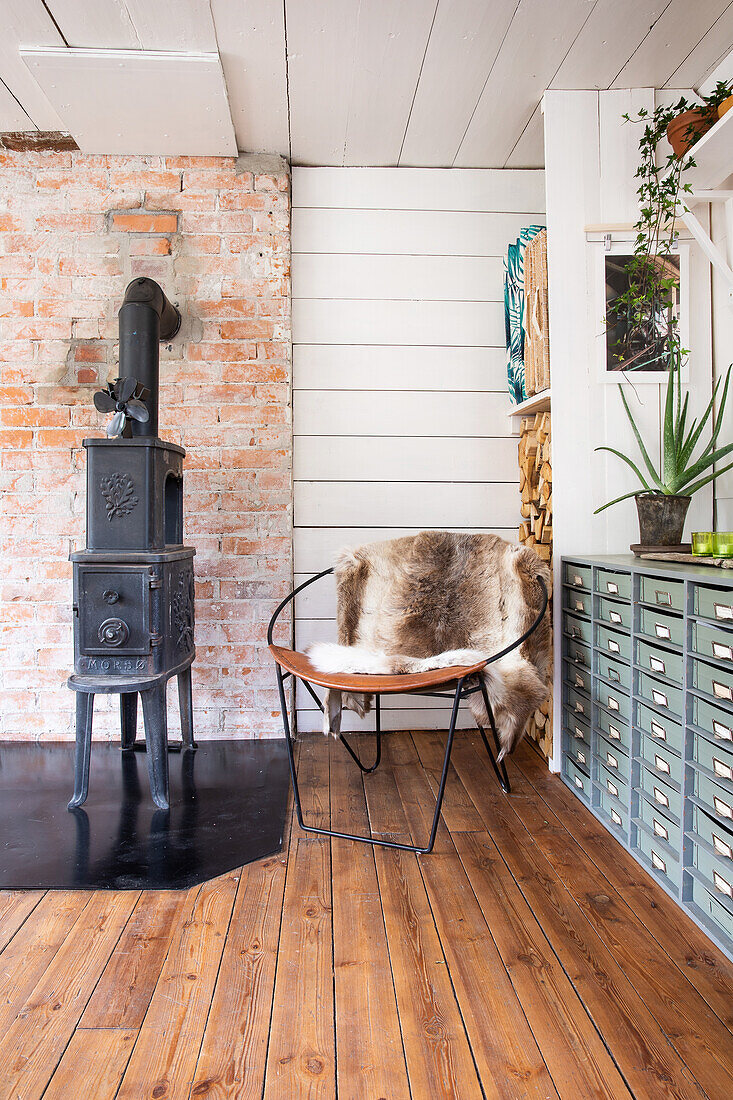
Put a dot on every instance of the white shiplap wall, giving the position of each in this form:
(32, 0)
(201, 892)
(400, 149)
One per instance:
(399, 377)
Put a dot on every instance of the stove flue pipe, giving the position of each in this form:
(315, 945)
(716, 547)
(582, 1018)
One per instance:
(146, 318)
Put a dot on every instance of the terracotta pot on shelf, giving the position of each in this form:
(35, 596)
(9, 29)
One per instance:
(687, 128)
(725, 106)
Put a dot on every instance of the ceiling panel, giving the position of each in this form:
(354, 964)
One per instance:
(125, 101)
(675, 34)
(535, 45)
(25, 22)
(12, 115)
(606, 41)
(529, 152)
(185, 25)
(464, 42)
(712, 48)
(102, 24)
(251, 36)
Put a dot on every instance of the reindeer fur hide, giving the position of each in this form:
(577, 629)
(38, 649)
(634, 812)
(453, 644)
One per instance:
(438, 599)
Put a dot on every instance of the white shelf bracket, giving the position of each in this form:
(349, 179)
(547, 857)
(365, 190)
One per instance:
(711, 250)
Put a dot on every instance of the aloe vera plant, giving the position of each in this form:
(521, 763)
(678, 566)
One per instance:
(680, 474)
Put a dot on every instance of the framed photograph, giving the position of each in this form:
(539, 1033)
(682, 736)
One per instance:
(639, 353)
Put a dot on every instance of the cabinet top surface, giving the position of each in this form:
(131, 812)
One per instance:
(708, 574)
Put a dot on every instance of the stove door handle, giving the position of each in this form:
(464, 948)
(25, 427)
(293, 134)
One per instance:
(110, 596)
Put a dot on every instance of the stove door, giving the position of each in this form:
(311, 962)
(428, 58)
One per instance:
(114, 610)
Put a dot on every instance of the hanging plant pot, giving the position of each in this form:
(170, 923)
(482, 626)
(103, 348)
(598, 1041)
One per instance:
(661, 518)
(687, 128)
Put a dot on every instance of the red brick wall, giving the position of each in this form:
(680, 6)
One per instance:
(74, 229)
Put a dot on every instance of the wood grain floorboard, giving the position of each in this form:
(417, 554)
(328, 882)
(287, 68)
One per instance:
(93, 1064)
(15, 907)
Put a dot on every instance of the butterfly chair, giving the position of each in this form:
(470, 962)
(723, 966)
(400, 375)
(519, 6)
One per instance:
(458, 683)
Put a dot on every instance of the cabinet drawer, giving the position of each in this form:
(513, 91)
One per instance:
(655, 659)
(578, 629)
(719, 838)
(615, 613)
(614, 671)
(615, 761)
(578, 779)
(661, 794)
(658, 824)
(614, 729)
(577, 739)
(714, 757)
(577, 677)
(579, 753)
(612, 782)
(717, 682)
(664, 864)
(713, 603)
(609, 583)
(616, 702)
(577, 703)
(659, 760)
(712, 908)
(659, 728)
(662, 593)
(576, 601)
(717, 800)
(575, 726)
(712, 642)
(576, 576)
(661, 626)
(614, 644)
(660, 695)
(712, 720)
(578, 653)
(613, 810)
(718, 872)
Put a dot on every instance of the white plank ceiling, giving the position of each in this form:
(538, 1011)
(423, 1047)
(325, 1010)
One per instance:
(424, 83)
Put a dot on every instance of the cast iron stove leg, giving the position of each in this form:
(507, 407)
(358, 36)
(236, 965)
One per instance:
(185, 702)
(128, 719)
(156, 738)
(83, 750)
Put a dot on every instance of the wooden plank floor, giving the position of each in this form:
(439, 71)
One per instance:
(528, 957)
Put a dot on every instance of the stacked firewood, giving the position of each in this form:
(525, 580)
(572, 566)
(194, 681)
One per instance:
(535, 530)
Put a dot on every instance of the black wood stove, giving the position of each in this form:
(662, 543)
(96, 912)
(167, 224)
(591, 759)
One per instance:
(133, 585)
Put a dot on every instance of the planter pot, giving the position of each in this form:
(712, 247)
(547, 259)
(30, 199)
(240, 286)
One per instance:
(725, 106)
(687, 128)
(661, 518)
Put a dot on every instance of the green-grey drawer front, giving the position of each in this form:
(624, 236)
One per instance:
(577, 739)
(662, 593)
(660, 695)
(658, 824)
(661, 626)
(612, 758)
(581, 603)
(614, 671)
(578, 653)
(717, 682)
(577, 778)
(611, 781)
(577, 576)
(714, 603)
(712, 642)
(615, 701)
(615, 729)
(714, 757)
(615, 613)
(713, 833)
(578, 703)
(578, 629)
(717, 871)
(712, 908)
(715, 797)
(613, 643)
(660, 728)
(663, 863)
(660, 760)
(575, 725)
(661, 794)
(577, 677)
(654, 659)
(613, 810)
(579, 753)
(609, 583)
(712, 720)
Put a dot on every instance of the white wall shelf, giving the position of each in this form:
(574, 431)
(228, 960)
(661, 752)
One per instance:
(538, 402)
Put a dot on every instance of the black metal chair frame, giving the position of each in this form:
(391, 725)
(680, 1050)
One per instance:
(456, 695)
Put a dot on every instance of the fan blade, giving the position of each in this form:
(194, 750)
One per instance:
(137, 410)
(116, 425)
(125, 388)
(104, 403)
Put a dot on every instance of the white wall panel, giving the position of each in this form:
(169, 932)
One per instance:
(399, 379)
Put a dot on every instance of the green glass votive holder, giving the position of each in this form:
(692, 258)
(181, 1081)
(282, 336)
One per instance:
(702, 543)
(723, 544)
